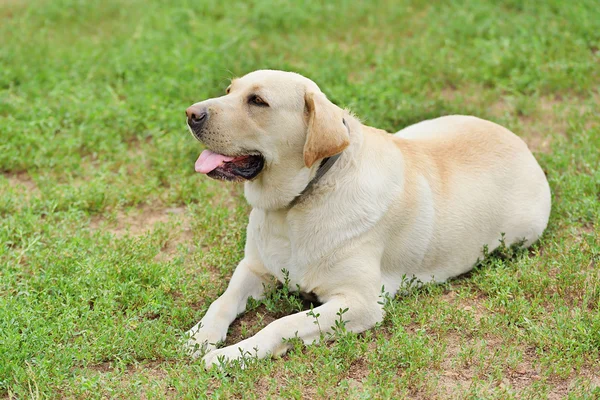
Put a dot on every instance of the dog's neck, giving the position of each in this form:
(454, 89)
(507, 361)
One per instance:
(273, 191)
(324, 166)
(275, 188)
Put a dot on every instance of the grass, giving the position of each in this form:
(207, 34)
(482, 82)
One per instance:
(111, 246)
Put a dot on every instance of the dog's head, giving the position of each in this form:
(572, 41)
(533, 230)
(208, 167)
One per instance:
(268, 123)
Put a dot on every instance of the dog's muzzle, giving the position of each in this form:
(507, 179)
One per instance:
(196, 118)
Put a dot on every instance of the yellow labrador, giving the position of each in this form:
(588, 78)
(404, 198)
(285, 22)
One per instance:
(349, 209)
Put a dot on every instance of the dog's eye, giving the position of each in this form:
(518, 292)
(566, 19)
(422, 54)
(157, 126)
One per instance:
(257, 101)
(228, 89)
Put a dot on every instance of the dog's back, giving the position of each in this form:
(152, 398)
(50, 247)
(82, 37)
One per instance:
(474, 181)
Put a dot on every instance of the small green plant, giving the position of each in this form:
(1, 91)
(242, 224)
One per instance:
(502, 252)
(339, 327)
(316, 316)
(281, 299)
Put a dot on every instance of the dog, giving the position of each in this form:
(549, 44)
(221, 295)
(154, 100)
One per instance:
(347, 212)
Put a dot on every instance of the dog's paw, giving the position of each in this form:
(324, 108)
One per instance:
(217, 358)
(201, 341)
(196, 349)
(220, 358)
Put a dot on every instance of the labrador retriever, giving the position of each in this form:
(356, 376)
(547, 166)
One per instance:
(348, 212)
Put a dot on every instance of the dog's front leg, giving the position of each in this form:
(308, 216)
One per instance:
(357, 312)
(212, 329)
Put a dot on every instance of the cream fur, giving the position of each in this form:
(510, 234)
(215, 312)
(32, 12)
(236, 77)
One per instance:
(421, 203)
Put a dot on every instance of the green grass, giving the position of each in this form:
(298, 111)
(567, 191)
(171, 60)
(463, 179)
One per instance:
(111, 246)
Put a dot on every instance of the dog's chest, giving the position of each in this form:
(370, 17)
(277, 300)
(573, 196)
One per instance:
(276, 242)
(298, 244)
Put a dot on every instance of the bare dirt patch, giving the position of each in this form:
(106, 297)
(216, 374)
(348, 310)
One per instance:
(476, 361)
(149, 375)
(145, 219)
(138, 221)
(22, 182)
(358, 371)
(249, 324)
(546, 121)
(471, 305)
(150, 367)
(459, 373)
(9, 7)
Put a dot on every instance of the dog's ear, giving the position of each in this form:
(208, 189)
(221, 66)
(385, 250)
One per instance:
(327, 135)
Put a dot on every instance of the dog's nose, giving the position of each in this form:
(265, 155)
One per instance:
(196, 117)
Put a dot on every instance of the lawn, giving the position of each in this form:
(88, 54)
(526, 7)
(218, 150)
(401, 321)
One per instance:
(111, 247)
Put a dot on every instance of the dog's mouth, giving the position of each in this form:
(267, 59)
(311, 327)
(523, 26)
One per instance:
(229, 168)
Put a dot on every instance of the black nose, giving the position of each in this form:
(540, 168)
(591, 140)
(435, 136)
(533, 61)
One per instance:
(196, 117)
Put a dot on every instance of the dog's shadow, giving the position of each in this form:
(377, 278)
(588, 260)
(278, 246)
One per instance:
(278, 303)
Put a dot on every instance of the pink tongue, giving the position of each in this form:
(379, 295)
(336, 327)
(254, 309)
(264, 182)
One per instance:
(209, 160)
